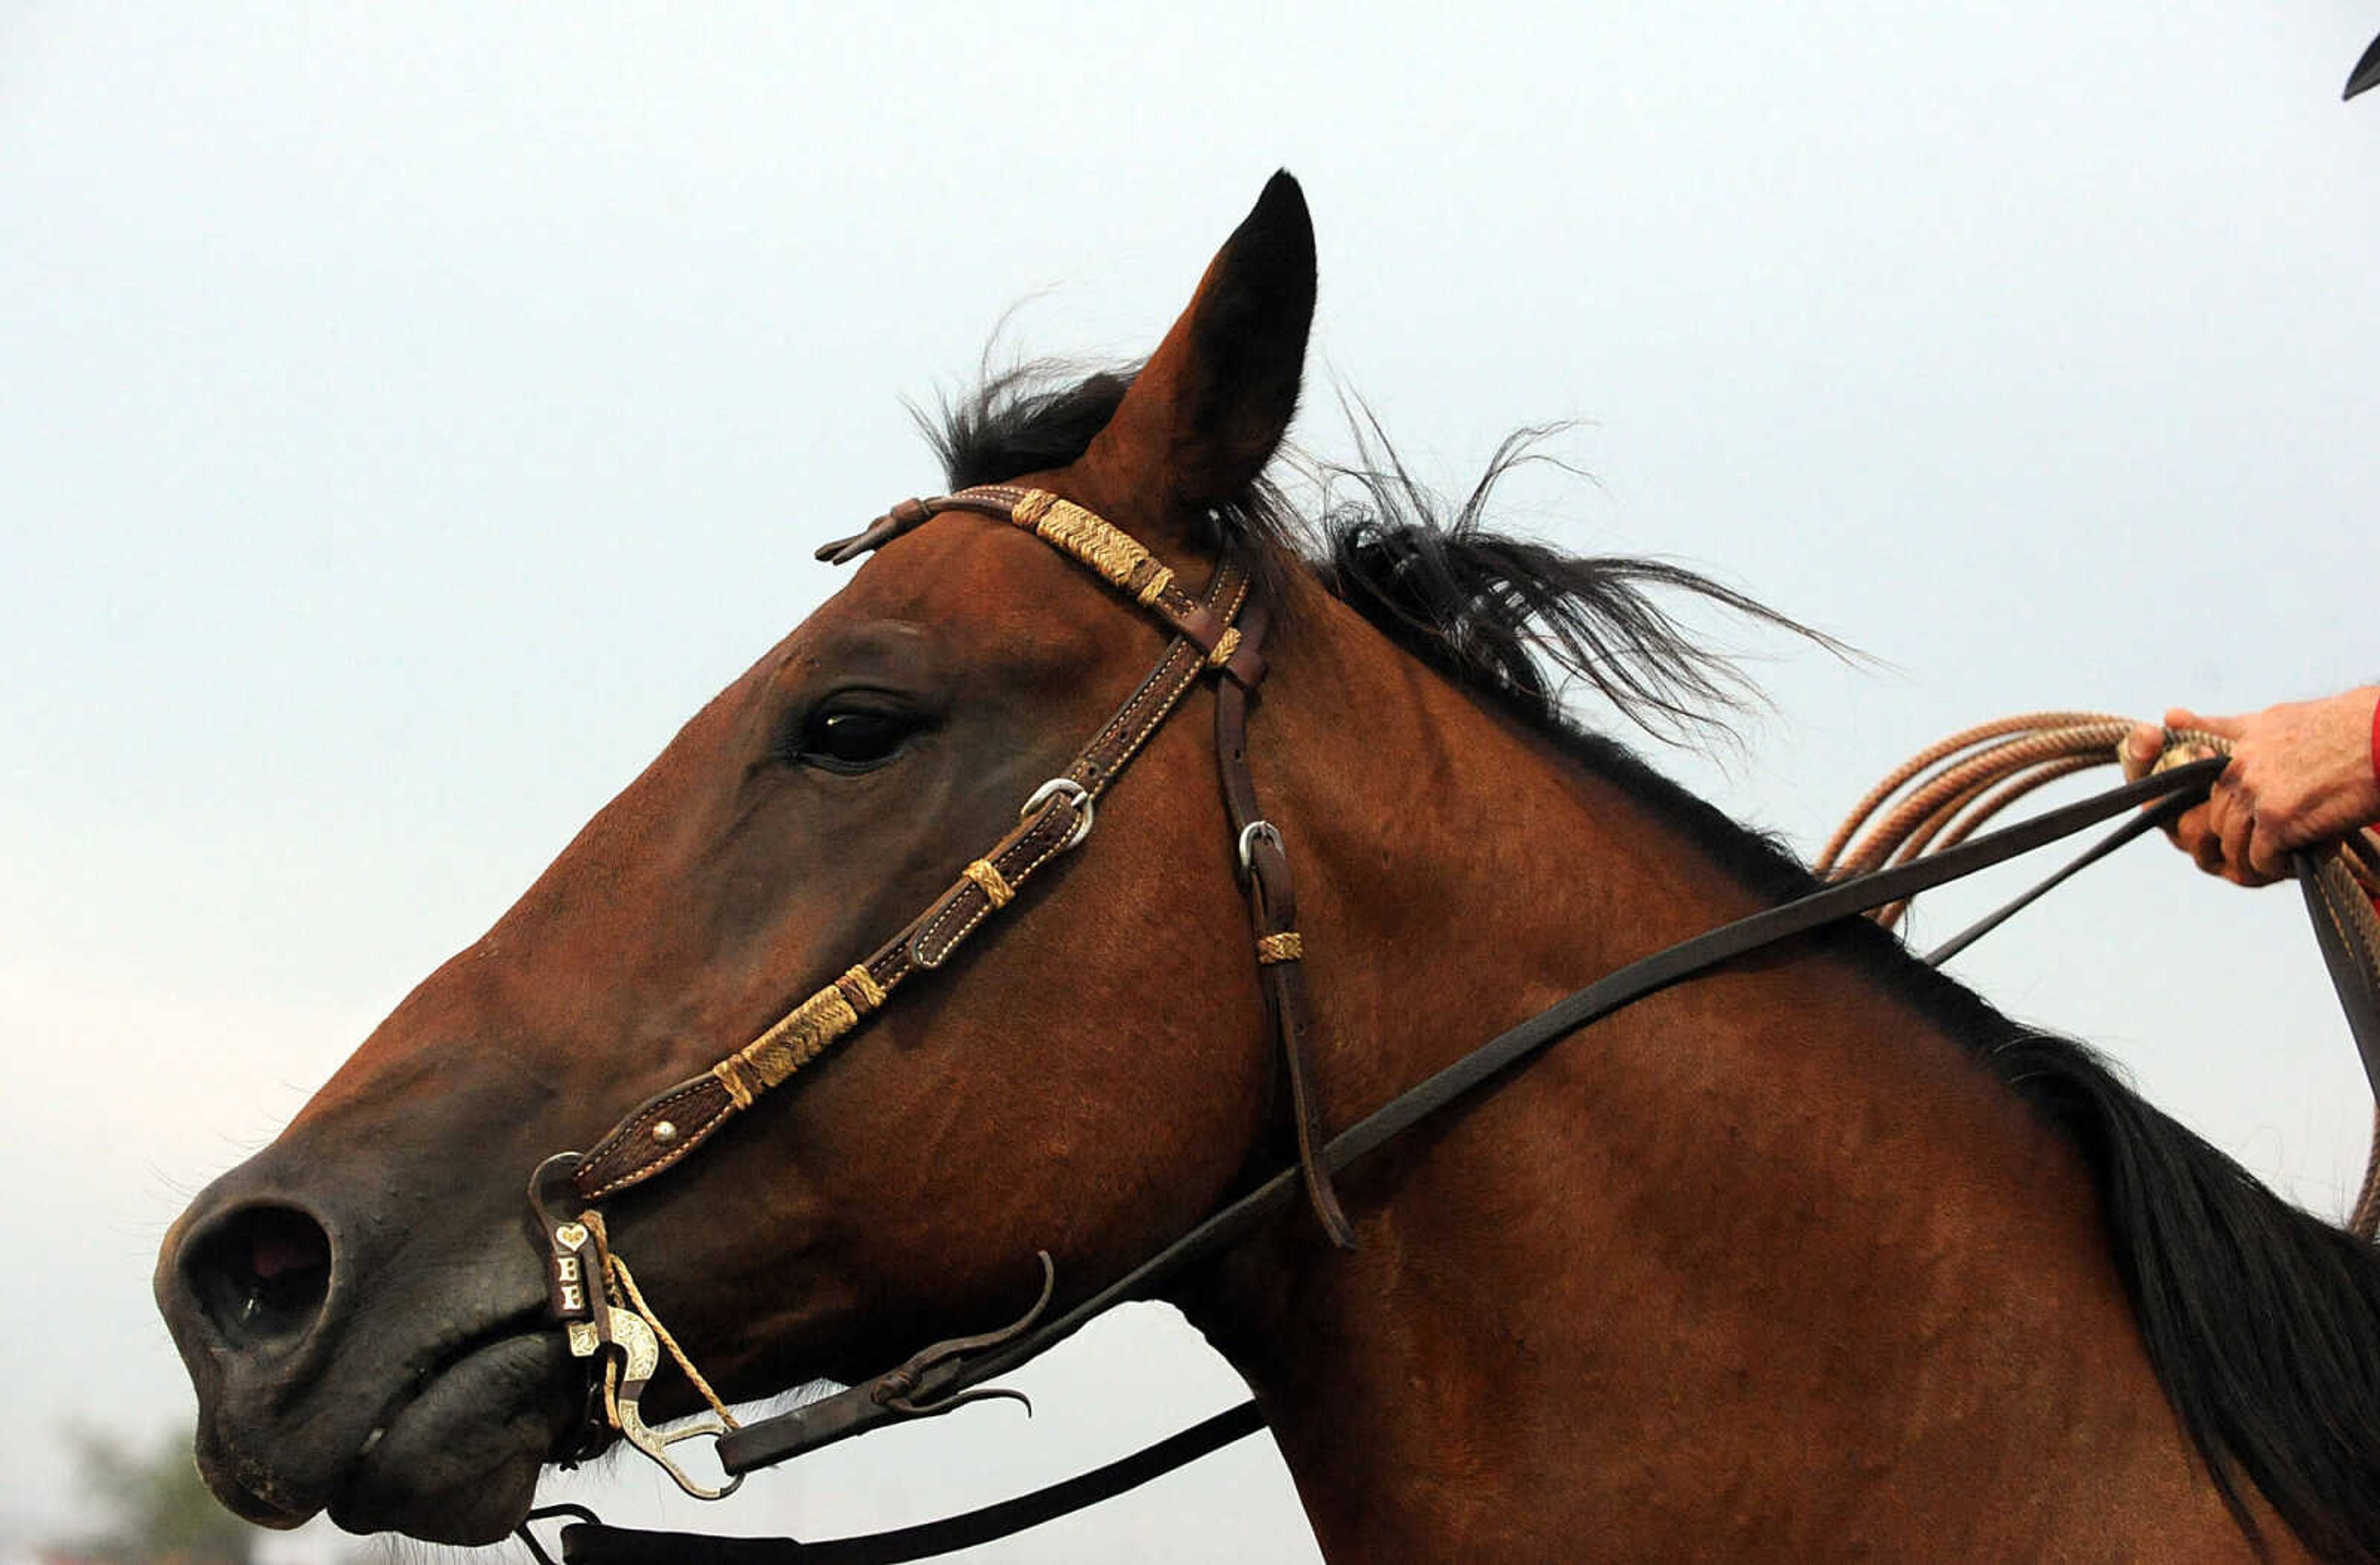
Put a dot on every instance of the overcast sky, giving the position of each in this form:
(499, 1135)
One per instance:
(408, 414)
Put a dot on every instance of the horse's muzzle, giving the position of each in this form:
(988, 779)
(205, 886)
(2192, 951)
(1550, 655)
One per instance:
(399, 1374)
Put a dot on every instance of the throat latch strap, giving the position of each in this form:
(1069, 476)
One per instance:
(1280, 946)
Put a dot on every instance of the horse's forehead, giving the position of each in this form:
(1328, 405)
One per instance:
(958, 596)
(960, 575)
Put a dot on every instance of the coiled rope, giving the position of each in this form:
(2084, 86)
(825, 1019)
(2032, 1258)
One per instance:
(1940, 796)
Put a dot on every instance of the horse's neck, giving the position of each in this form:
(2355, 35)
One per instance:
(1765, 1254)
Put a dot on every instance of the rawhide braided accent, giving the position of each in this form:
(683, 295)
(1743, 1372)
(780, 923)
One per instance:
(1096, 543)
(799, 1037)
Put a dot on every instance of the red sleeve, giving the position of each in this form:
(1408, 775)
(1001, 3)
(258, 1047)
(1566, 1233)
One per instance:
(2375, 772)
(2376, 739)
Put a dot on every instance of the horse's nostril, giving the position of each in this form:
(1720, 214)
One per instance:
(262, 1274)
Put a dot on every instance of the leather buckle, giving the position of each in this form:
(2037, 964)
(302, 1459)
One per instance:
(1252, 834)
(1079, 797)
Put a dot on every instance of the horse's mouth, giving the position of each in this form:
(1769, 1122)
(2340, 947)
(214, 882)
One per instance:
(454, 1456)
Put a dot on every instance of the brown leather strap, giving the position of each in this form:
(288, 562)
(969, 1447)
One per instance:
(659, 1133)
(1272, 916)
(1207, 625)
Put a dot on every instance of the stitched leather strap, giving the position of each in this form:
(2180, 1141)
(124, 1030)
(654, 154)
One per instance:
(666, 1128)
(1280, 946)
(1207, 626)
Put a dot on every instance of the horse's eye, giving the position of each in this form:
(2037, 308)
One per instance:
(852, 739)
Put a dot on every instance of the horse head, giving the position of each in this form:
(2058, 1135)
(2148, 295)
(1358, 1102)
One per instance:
(362, 1305)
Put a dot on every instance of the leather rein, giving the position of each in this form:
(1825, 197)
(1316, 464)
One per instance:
(594, 1296)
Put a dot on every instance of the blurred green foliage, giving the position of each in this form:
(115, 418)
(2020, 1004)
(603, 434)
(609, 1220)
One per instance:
(157, 1509)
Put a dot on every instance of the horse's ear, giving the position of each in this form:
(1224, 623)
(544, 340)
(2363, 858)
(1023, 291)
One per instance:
(1207, 409)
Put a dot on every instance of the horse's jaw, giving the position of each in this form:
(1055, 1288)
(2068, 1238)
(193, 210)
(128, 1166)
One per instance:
(459, 1461)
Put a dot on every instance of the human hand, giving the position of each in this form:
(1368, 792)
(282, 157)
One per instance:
(2301, 773)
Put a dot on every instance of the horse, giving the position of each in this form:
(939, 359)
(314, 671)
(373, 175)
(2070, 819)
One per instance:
(1817, 1254)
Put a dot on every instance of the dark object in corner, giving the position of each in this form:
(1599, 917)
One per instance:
(2366, 73)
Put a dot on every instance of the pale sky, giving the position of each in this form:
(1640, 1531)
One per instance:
(409, 414)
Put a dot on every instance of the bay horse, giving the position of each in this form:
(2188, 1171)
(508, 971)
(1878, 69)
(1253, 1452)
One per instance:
(1817, 1255)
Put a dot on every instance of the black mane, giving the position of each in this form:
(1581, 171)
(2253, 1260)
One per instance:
(2261, 1321)
(1020, 420)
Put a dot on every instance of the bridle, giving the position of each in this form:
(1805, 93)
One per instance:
(595, 1297)
(593, 1294)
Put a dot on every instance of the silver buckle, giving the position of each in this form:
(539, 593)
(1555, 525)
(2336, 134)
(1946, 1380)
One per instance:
(1248, 836)
(1085, 805)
